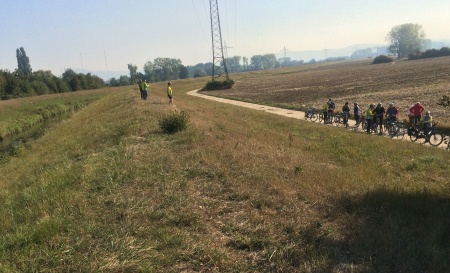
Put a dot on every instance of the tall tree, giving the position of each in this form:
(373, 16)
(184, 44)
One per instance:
(133, 73)
(405, 39)
(149, 70)
(23, 62)
(245, 63)
(269, 61)
(256, 62)
(184, 72)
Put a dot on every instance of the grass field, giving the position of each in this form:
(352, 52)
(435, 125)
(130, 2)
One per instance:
(238, 191)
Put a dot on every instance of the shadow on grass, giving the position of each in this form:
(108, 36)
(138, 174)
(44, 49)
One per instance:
(393, 231)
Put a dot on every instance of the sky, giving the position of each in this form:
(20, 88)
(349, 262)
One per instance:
(107, 35)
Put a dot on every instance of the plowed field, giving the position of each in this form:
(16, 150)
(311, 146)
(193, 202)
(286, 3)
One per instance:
(403, 82)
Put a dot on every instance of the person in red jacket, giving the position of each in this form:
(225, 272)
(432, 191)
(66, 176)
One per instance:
(416, 112)
(391, 112)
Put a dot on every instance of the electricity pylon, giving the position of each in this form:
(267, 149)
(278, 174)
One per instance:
(219, 64)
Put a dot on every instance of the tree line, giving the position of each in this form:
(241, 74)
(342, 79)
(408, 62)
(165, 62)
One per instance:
(23, 82)
(166, 69)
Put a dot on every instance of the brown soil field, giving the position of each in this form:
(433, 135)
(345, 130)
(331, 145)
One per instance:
(402, 82)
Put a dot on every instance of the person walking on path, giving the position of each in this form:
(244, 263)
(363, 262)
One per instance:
(140, 88)
(144, 90)
(170, 93)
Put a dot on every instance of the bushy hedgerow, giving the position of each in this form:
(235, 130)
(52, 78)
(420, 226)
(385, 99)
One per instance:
(174, 122)
(382, 59)
(218, 85)
(430, 53)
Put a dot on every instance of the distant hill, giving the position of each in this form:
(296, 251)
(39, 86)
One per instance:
(326, 53)
(323, 54)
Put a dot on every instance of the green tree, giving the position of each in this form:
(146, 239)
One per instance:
(199, 72)
(23, 62)
(149, 71)
(405, 39)
(256, 62)
(245, 63)
(269, 61)
(184, 72)
(133, 73)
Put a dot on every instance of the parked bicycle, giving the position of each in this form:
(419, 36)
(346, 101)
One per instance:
(310, 113)
(322, 118)
(396, 129)
(430, 135)
(341, 119)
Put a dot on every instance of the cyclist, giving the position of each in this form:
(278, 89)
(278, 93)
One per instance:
(391, 112)
(379, 113)
(356, 113)
(427, 122)
(369, 117)
(345, 113)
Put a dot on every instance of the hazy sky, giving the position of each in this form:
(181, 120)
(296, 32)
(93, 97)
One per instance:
(109, 34)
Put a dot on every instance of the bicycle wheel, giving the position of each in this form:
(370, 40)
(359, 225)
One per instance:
(435, 139)
(337, 120)
(413, 135)
(400, 134)
(417, 137)
(364, 125)
(320, 117)
(314, 117)
(392, 130)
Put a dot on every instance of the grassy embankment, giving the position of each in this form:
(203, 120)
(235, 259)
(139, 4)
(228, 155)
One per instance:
(19, 116)
(239, 191)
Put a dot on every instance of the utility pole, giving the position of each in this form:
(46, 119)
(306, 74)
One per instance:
(225, 47)
(284, 50)
(219, 64)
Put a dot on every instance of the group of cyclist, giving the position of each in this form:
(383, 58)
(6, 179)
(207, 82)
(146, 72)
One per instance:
(374, 115)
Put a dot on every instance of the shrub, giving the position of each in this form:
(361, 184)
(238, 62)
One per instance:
(174, 122)
(382, 59)
(218, 85)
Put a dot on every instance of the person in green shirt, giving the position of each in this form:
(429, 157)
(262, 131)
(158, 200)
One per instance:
(145, 90)
(369, 117)
(170, 93)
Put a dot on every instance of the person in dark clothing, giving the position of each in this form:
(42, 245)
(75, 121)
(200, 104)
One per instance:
(346, 113)
(379, 114)
(140, 89)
